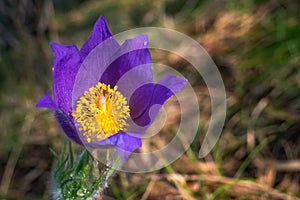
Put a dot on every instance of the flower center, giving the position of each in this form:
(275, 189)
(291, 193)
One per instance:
(101, 112)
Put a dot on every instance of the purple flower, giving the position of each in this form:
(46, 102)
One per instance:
(103, 94)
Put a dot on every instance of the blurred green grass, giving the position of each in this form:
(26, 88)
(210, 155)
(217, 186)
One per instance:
(255, 44)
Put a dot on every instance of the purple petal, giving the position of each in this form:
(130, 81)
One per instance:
(99, 34)
(124, 142)
(46, 102)
(93, 67)
(133, 53)
(140, 100)
(67, 125)
(167, 87)
(64, 120)
(160, 92)
(66, 64)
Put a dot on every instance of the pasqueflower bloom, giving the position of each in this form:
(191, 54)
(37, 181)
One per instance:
(104, 94)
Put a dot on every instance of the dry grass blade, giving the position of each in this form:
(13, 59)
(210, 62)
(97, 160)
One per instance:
(290, 165)
(180, 182)
(234, 186)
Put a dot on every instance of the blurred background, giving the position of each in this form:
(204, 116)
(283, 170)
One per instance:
(256, 46)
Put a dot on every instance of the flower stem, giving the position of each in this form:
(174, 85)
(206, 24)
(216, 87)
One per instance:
(80, 177)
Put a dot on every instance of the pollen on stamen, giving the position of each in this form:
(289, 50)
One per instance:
(101, 112)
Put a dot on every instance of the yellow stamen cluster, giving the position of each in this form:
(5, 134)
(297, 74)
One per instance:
(101, 112)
